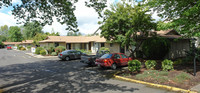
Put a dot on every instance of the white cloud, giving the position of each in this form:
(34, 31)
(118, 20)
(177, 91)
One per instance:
(6, 19)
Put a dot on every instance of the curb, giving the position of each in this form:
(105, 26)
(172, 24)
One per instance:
(155, 85)
(1, 91)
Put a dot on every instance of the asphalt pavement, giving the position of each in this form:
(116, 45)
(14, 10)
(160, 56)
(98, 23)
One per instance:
(26, 74)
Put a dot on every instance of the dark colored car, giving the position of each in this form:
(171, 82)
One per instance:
(70, 54)
(9, 47)
(90, 59)
(113, 60)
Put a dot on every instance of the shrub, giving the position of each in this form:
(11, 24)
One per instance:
(167, 65)
(19, 47)
(50, 50)
(29, 47)
(134, 65)
(178, 62)
(84, 51)
(151, 47)
(53, 54)
(43, 52)
(150, 64)
(59, 49)
(104, 48)
(22, 48)
(38, 49)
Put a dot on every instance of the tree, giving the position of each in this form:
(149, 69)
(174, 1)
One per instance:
(31, 29)
(45, 10)
(122, 23)
(3, 38)
(15, 34)
(71, 33)
(4, 32)
(165, 26)
(183, 13)
(39, 37)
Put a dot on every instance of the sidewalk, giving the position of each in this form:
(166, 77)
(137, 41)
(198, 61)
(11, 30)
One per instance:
(196, 88)
(40, 56)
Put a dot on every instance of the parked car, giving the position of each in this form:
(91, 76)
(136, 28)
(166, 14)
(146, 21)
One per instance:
(90, 59)
(9, 47)
(113, 60)
(70, 54)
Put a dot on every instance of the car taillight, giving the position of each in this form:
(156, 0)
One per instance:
(60, 54)
(105, 60)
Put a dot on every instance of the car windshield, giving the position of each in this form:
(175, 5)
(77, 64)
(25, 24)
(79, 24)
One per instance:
(106, 56)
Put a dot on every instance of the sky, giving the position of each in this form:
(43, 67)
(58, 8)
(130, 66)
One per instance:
(87, 18)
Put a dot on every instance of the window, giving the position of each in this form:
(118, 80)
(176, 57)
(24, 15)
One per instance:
(56, 44)
(102, 45)
(111, 44)
(78, 52)
(116, 56)
(106, 56)
(124, 56)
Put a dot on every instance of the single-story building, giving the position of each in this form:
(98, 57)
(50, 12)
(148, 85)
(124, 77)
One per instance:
(11, 43)
(179, 45)
(26, 43)
(90, 43)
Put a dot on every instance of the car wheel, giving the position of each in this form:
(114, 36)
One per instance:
(114, 66)
(67, 58)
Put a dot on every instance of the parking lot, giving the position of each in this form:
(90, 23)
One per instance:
(25, 74)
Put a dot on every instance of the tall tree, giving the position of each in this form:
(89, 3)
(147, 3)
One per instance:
(45, 10)
(31, 29)
(4, 30)
(15, 34)
(122, 23)
(39, 37)
(184, 13)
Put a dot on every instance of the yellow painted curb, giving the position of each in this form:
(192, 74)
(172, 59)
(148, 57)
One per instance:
(156, 85)
(1, 90)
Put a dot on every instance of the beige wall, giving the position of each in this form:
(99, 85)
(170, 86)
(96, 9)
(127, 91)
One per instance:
(51, 44)
(62, 44)
(114, 49)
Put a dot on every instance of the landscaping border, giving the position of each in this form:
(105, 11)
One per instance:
(1, 90)
(155, 85)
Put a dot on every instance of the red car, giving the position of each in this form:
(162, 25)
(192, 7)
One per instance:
(9, 47)
(113, 60)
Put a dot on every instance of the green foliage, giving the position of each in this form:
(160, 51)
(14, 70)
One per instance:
(167, 65)
(59, 49)
(1, 44)
(165, 26)
(38, 49)
(39, 37)
(182, 77)
(31, 29)
(183, 13)
(104, 48)
(43, 52)
(123, 21)
(178, 62)
(15, 34)
(151, 47)
(3, 38)
(50, 49)
(19, 47)
(150, 64)
(62, 10)
(134, 65)
(29, 47)
(53, 54)
(84, 51)
(23, 48)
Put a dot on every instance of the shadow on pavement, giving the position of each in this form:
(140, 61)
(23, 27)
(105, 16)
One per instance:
(56, 76)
